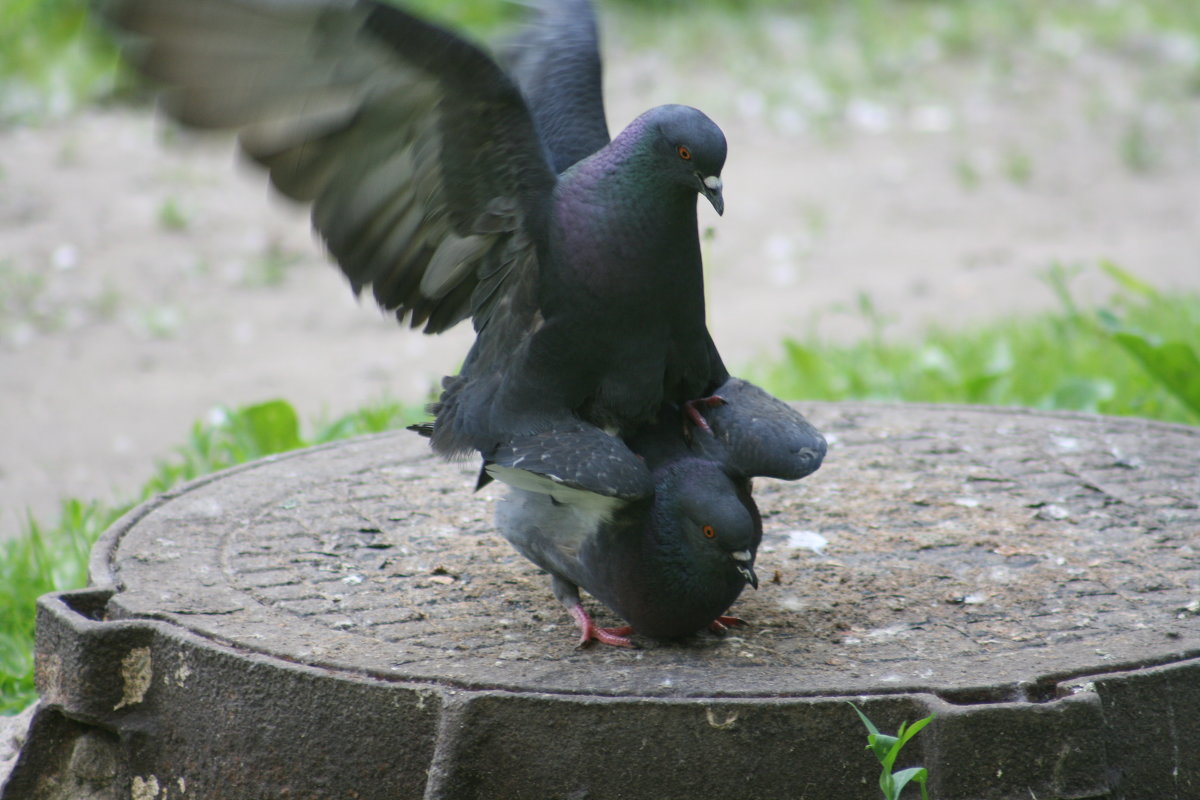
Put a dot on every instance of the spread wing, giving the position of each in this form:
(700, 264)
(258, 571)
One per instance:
(426, 174)
(556, 62)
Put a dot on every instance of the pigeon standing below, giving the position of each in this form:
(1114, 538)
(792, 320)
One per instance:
(434, 179)
(672, 561)
(669, 564)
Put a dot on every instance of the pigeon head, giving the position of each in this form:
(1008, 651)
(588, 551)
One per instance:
(689, 148)
(713, 516)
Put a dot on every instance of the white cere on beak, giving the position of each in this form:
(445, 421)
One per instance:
(713, 182)
(741, 555)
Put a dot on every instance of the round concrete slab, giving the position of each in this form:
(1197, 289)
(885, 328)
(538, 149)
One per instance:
(939, 550)
(1016, 572)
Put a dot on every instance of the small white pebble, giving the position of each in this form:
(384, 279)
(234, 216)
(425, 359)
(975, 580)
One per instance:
(65, 257)
(791, 603)
(1052, 512)
(807, 540)
(1066, 444)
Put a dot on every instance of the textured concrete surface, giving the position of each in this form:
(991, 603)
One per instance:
(345, 619)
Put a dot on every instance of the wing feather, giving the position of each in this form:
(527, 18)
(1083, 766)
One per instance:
(416, 150)
(573, 455)
(556, 62)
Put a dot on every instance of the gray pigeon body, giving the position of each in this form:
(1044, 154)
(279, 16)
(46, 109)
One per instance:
(453, 189)
(671, 562)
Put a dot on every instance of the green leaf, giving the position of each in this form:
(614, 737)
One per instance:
(272, 427)
(1059, 276)
(1109, 321)
(1081, 394)
(915, 728)
(886, 748)
(977, 388)
(1173, 364)
(1128, 280)
(870, 726)
(801, 358)
(878, 743)
(900, 779)
(895, 745)
(887, 785)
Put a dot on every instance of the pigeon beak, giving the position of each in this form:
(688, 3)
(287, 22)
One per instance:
(745, 565)
(710, 187)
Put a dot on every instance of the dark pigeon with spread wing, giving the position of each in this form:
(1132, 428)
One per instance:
(453, 189)
(673, 561)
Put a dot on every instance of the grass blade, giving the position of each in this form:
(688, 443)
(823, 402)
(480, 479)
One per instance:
(1173, 364)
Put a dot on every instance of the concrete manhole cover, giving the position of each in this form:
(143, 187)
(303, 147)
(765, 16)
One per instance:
(346, 617)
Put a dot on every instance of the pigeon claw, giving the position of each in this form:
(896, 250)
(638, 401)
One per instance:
(691, 410)
(723, 623)
(588, 632)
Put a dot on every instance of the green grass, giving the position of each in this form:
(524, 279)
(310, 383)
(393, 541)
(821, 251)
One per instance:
(171, 216)
(54, 58)
(53, 557)
(1136, 356)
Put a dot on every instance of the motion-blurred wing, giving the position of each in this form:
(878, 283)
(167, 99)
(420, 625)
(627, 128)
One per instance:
(424, 169)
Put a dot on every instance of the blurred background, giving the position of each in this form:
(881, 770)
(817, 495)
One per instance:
(927, 200)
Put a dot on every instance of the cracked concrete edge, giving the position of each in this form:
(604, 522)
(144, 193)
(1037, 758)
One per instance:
(13, 732)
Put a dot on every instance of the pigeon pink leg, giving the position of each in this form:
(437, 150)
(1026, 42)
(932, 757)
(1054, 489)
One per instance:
(692, 410)
(723, 623)
(616, 637)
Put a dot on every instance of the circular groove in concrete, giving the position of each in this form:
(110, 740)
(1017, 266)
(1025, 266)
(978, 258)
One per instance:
(977, 554)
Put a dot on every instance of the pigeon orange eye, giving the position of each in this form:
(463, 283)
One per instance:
(684, 153)
(709, 531)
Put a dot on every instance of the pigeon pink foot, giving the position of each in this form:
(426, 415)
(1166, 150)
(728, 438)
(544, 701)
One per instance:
(588, 632)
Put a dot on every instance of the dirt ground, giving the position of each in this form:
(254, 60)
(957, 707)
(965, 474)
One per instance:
(144, 279)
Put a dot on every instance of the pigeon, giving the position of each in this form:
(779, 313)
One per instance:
(453, 188)
(673, 561)
(669, 564)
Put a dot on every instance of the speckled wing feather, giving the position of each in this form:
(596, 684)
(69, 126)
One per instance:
(425, 172)
(555, 60)
(575, 456)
